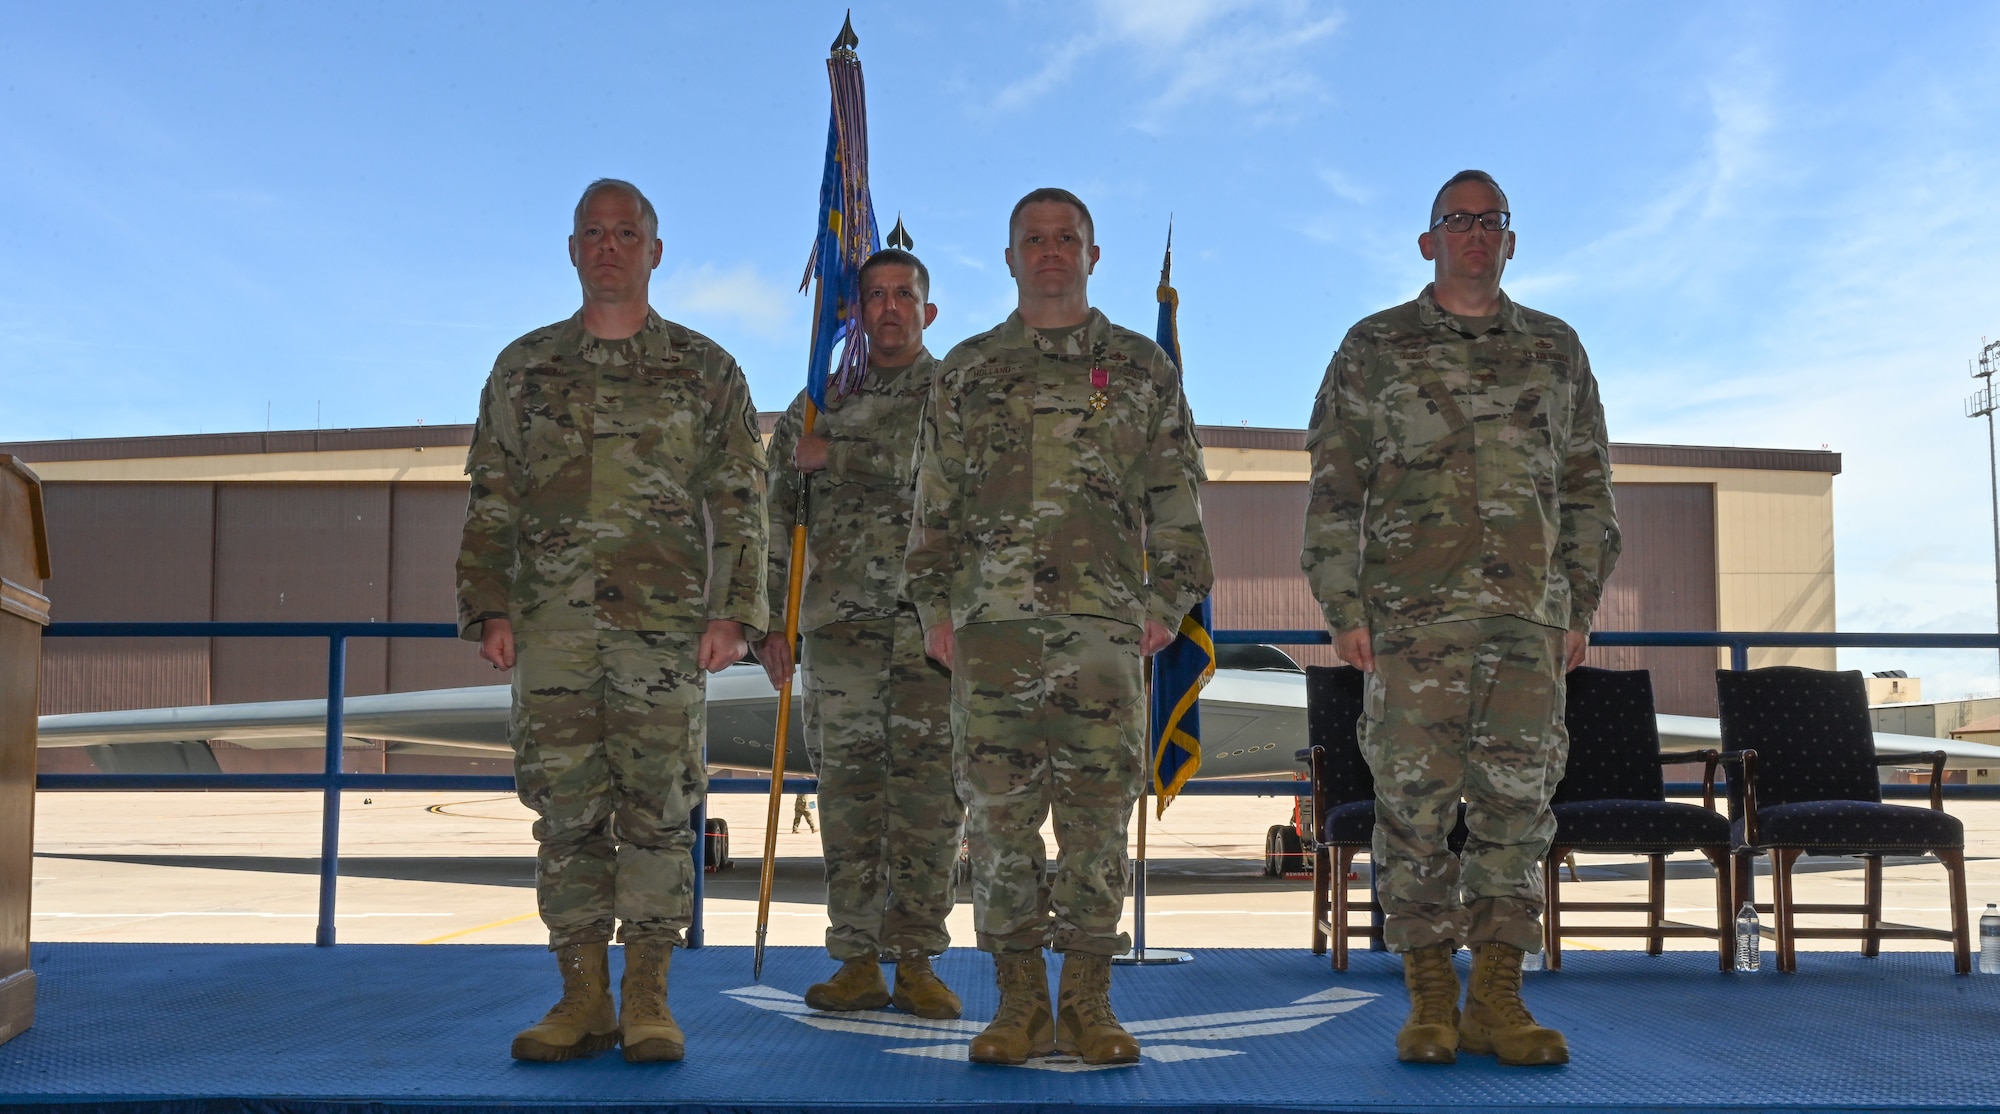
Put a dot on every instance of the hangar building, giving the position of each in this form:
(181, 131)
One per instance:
(363, 524)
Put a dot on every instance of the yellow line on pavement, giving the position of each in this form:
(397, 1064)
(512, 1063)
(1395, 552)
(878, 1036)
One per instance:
(479, 928)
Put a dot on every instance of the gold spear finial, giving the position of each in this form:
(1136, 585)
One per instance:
(848, 40)
(899, 237)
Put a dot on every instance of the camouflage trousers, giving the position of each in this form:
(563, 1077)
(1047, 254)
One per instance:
(607, 728)
(1048, 715)
(877, 727)
(1467, 710)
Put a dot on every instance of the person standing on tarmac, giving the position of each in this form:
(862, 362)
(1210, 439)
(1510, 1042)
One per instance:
(603, 445)
(1458, 535)
(877, 710)
(1057, 542)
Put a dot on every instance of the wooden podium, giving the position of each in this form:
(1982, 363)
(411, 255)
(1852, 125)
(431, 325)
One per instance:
(24, 611)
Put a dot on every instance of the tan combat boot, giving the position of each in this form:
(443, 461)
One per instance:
(646, 1026)
(583, 1022)
(921, 992)
(1023, 1026)
(857, 985)
(1430, 1035)
(1496, 1021)
(1085, 1026)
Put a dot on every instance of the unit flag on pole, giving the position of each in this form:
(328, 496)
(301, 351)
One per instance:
(1180, 670)
(846, 234)
(842, 241)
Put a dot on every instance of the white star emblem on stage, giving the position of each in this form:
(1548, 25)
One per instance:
(1156, 1035)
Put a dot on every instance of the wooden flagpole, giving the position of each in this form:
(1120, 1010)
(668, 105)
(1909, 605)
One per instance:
(795, 580)
(849, 143)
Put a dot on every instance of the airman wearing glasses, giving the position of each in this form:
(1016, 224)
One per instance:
(1458, 537)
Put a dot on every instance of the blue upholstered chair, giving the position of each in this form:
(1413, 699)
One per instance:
(1813, 788)
(1612, 800)
(1343, 806)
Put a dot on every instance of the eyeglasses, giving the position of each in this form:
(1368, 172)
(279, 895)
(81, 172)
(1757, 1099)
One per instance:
(1492, 220)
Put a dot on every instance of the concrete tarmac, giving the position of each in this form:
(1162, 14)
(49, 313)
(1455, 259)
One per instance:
(459, 868)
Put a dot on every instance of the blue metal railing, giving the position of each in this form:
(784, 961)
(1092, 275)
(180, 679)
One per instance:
(1740, 642)
(333, 780)
(330, 782)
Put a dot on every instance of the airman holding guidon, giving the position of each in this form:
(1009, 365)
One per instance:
(877, 710)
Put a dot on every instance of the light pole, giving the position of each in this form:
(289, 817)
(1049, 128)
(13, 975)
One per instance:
(1982, 405)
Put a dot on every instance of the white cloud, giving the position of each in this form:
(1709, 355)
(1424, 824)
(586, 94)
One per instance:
(1253, 62)
(1344, 187)
(691, 294)
(242, 199)
(1054, 73)
(1841, 313)
(1245, 52)
(1740, 143)
(1163, 23)
(1685, 227)
(959, 255)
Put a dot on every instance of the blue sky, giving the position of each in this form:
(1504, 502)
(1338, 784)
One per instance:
(1771, 223)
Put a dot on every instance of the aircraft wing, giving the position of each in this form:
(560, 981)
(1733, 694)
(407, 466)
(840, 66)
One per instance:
(1253, 723)
(742, 719)
(473, 718)
(1695, 733)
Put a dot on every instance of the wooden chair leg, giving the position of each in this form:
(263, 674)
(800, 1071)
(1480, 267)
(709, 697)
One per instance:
(1953, 859)
(1656, 901)
(1871, 926)
(1725, 914)
(1378, 917)
(1552, 908)
(1781, 906)
(1343, 862)
(1745, 878)
(1322, 871)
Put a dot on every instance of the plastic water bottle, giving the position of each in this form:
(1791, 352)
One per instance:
(1750, 937)
(1533, 961)
(1989, 941)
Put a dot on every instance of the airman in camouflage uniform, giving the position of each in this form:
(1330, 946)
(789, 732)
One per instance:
(1058, 539)
(877, 711)
(1459, 534)
(614, 549)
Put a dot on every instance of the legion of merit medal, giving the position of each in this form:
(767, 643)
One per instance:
(1099, 379)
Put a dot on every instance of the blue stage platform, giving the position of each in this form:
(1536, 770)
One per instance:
(418, 1029)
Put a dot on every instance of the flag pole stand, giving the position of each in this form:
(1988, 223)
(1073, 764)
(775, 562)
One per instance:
(1141, 955)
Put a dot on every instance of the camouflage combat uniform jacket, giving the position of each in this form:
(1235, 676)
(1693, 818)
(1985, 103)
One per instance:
(1032, 502)
(600, 470)
(858, 521)
(1459, 476)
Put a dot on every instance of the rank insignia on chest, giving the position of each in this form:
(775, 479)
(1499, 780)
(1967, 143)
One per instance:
(1099, 379)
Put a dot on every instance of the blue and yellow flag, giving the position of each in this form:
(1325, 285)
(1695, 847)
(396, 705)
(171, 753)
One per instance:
(1180, 670)
(846, 235)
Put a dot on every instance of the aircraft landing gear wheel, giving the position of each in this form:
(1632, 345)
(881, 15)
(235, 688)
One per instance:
(1284, 852)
